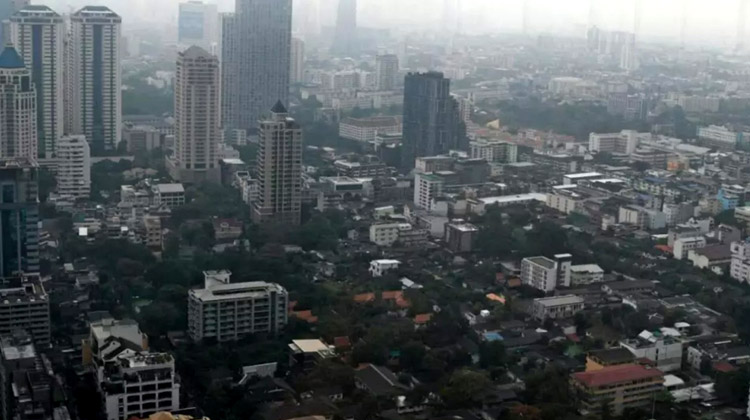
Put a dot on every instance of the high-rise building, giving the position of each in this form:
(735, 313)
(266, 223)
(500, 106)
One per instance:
(345, 36)
(73, 166)
(197, 117)
(432, 122)
(198, 24)
(18, 136)
(255, 63)
(94, 105)
(386, 67)
(38, 33)
(279, 169)
(7, 9)
(297, 72)
(19, 214)
(245, 308)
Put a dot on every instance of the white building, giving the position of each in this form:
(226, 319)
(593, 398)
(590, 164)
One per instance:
(379, 267)
(38, 33)
(557, 307)
(197, 117)
(642, 217)
(367, 129)
(386, 234)
(230, 311)
(198, 24)
(249, 189)
(18, 131)
(494, 151)
(740, 266)
(719, 136)
(93, 104)
(73, 166)
(170, 195)
(624, 142)
(386, 70)
(684, 245)
(427, 187)
(574, 179)
(297, 62)
(564, 201)
(546, 274)
(664, 351)
(585, 274)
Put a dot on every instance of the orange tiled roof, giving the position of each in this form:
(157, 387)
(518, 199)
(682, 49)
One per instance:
(614, 375)
(422, 319)
(364, 297)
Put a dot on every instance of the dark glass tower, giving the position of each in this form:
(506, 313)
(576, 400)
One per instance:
(432, 122)
(19, 215)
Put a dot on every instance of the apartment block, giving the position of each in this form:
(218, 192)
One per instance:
(557, 307)
(73, 166)
(170, 195)
(664, 351)
(546, 274)
(24, 305)
(620, 387)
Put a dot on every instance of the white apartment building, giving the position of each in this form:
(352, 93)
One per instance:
(642, 217)
(427, 187)
(230, 311)
(557, 307)
(683, 246)
(564, 201)
(93, 104)
(719, 136)
(249, 189)
(38, 33)
(367, 129)
(546, 274)
(583, 274)
(197, 117)
(386, 234)
(18, 130)
(73, 166)
(386, 71)
(494, 151)
(138, 384)
(664, 351)
(379, 267)
(624, 142)
(740, 266)
(297, 62)
(170, 195)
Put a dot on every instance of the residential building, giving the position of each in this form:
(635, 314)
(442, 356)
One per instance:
(557, 307)
(678, 213)
(345, 37)
(249, 188)
(198, 24)
(38, 33)
(364, 167)
(109, 337)
(546, 274)
(664, 351)
(152, 232)
(742, 214)
(432, 124)
(279, 170)
(630, 107)
(386, 70)
(716, 258)
(642, 217)
(558, 163)
(304, 355)
(720, 137)
(656, 159)
(73, 166)
(379, 267)
(387, 234)
(584, 274)
(427, 187)
(197, 118)
(18, 132)
(169, 195)
(730, 196)
(684, 245)
(624, 142)
(25, 306)
(494, 151)
(600, 359)
(19, 214)
(230, 311)
(619, 386)
(297, 62)
(142, 138)
(565, 200)
(367, 129)
(255, 57)
(227, 230)
(7, 9)
(740, 265)
(138, 384)
(93, 103)
(460, 236)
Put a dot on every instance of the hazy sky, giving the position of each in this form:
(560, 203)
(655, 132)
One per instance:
(707, 20)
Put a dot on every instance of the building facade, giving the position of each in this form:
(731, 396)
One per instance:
(546, 274)
(18, 130)
(557, 307)
(279, 169)
(94, 92)
(38, 33)
(494, 151)
(73, 166)
(19, 216)
(619, 386)
(297, 63)
(345, 37)
(386, 70)
(25, 306)
(230, 311)
(197, 117)
(198, 25)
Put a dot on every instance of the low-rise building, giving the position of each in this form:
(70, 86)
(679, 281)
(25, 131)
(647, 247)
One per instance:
(714, 257)
(585, 274)
(664, 351)
(546, 274)
(557, 307)
(230, 311)
(642, 217)
(169, 195)
(379, 267)
(600, 359)
(460, 236)
(740, 266)
(386, 234)
(494, 151)
(306, 354)
(620, 387)
(366, 129)
(684, 245)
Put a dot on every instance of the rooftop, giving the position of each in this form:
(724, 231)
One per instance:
(10, 59)
(586, 268)
(247, 290)
(505, 199)
(559, 300)
(614, 375)
(170, 188)
(614, 356)
(310, 346)
(543, 261)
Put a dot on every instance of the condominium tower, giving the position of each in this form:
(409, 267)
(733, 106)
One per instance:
(7, 9)
(345, 36)
(37, 32)
(257, 60)
(297, 63)
(19, 214)
(73, 157)
(279, 169)
(94, 104)
(18, 136)
(197, 117)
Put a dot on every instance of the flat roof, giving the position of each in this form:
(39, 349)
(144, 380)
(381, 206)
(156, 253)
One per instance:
(231, 291)
(385, 261)
(311, 346)
(543, 261)
(613, 375)
(586, 268)
(504, 199)
(559, 300)
(170, 188)
(582, 175)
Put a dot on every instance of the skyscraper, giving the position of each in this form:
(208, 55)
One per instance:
(297, 71)
(19, 214)
(257, 60)
(197, 117)
(38, 34)
(18, 136)
(345, 36)
(279, 169)
(7, 9)
(198, 24)
(94, 105)
(386, 68)
(432, 122)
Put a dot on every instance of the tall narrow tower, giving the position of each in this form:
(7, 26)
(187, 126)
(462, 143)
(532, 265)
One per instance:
(18, 136)
(345, 37)
(741, 23)
(38, 34)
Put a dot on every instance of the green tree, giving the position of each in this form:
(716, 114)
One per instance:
(464, 388)
(492, 354)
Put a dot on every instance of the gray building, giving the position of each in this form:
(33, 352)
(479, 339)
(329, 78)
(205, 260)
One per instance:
(18, 135)
(386, 71)
(7, 9)
(19, 214)
(256, 54)
(432, 122)
(25, 306)
(345, 36)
